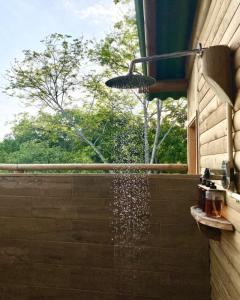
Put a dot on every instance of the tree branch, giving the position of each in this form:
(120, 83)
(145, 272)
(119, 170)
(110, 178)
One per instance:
(158, 128)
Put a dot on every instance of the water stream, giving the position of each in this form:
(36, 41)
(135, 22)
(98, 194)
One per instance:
(130, 225)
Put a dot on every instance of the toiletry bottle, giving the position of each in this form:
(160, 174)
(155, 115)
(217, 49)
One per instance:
(208, 203)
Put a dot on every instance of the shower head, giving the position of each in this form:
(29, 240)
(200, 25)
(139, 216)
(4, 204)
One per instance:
(130, 81)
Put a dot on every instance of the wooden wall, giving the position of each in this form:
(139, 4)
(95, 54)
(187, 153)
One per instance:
(221, 27)
(56, 241)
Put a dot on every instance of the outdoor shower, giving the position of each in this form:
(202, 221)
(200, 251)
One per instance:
(217, 71)
(131, 81)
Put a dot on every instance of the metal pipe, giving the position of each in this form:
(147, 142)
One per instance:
(177, 54)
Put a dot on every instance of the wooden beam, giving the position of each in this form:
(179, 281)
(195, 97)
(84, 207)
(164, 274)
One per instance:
(177, 85)
(192, 147)
(38, 167)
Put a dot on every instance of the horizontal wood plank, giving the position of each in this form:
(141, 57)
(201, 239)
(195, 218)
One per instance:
(218, 146)
(233, 217)
(230, 10)
(237, 160)
(213, 161)
(216, 132)
(211, 107)
(223, 28)
(64, 235)
(221, 272)
(207, 98)
(218, 16)
(213, 119)
(237, 58)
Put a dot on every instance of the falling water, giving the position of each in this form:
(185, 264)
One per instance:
(131, 209)
(131, 214)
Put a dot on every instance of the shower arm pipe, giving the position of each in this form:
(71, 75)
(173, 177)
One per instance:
(177, 54)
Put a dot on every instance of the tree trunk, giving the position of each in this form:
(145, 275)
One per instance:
(146, 143)
(158, 129)
(82, 135)
(166, 134)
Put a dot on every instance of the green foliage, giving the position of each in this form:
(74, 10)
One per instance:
(174, 147)
(48, 77)
(109, 124)
(118, 48)
(48, 139)
(37, 152)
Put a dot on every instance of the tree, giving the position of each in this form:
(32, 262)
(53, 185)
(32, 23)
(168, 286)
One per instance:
(51, 77)
(57, 76)
(46, 138)
(114, 53)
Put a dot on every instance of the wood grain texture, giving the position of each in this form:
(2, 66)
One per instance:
(200, 18)
(206, 99)
(201, 82)
(213, 119)
(218, 146)
(213, 161)
(236, 141)
(236, 121)
(237, 59)
(232, 201)
(223, 259)
(237, 160)
(231, 34)
(192, 96)
(218, 15)
(237, 79)
(219, 223)
(57, 241)
(216, 132)
(233, 216)
(222, 273)
(209, 21)
(231, 253)
(210, 108)
(237, 102)
(222, 27)
(204, 90)
(230, 11)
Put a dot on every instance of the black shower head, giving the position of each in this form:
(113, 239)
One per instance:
(130, 81)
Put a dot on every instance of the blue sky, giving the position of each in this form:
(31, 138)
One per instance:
(25, 22)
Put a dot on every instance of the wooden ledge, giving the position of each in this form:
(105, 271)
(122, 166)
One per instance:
(219, 223)
(206, 188)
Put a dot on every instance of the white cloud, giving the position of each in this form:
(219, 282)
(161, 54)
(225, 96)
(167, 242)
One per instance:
(100, 11)
(67, 4)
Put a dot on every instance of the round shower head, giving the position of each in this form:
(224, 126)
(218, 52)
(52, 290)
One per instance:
(130, 81)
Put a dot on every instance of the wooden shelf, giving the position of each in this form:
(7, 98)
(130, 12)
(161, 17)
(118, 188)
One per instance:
(219, 223)
(209, 189)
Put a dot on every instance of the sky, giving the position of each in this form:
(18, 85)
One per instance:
(25, 22)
